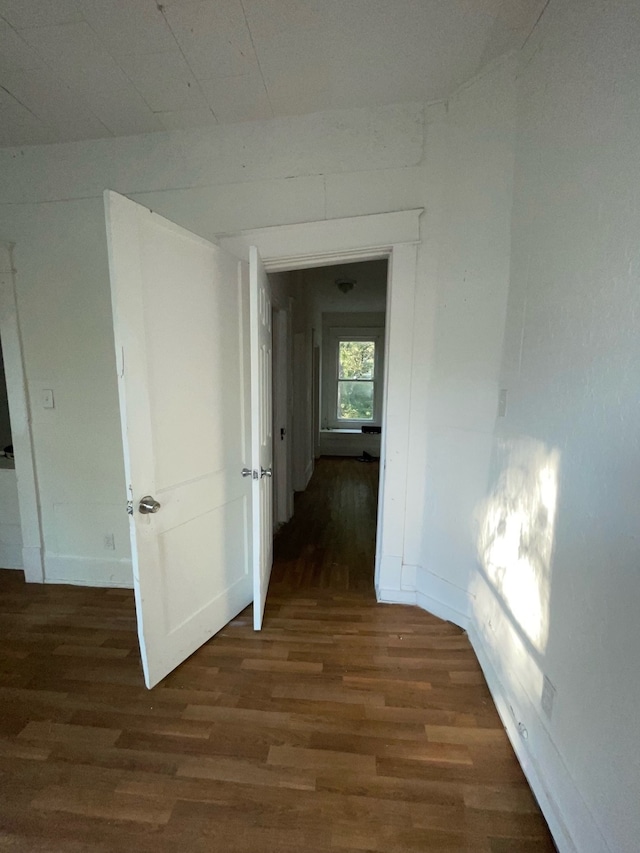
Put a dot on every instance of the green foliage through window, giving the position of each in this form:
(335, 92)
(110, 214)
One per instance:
(356, 367)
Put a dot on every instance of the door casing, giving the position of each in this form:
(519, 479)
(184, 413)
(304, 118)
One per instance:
(394, 236)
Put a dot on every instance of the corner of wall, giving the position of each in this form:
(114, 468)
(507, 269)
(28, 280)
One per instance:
(400, 583)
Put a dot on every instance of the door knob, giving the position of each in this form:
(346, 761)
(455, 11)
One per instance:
(249, 472)
(148, 505)
(266, 472)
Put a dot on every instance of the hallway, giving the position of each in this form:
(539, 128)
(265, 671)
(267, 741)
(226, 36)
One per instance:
(344, 726)
(330, 541)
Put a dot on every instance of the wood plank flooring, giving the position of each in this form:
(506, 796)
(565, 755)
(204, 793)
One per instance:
(344, 726)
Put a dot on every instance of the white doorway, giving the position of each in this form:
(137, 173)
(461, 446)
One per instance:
(392, 236)
(333, 309)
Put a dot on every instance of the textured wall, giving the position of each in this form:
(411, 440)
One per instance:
(558, 533)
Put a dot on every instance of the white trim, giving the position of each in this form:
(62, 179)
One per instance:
(442, 610)
(553, 787)
(19, 413)
(442, 598)
(396, 409)
(385, 235)
(328, 241)
(83, 571)
(396, 596)
(436, 596)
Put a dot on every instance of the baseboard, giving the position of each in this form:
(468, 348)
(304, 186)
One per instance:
(422, 588)
(334, 443)
(88, 571)
(443, 599)
(442, 611)
(32, 563)
(308, 473)
(571, 823)
(395, 596)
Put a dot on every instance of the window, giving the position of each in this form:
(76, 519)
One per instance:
(352, 377)
(356, 377)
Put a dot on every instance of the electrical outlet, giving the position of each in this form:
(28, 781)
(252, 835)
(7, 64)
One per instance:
(109, 542)
(548, 697)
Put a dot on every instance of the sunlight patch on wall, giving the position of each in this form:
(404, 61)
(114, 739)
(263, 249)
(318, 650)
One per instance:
(516, 534)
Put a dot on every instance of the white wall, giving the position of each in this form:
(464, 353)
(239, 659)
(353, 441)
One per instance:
(210, 180)
(459, 317)
(559, 587)
(221, 180)
(556, 531)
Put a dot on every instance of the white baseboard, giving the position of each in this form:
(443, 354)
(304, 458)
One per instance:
(395, 596)
(334, 443)
(32, 563)
(441, 610)
(443, 599)
(308, 472)
(87, 571)
(422, 588)
(570, 821)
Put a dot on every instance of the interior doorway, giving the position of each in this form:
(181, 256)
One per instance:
(329, 388)
(393, 236)
(329, 381)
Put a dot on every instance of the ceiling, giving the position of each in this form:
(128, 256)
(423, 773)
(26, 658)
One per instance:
(369, 292)
(85, 69)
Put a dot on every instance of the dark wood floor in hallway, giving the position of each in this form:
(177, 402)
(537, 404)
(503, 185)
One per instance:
(344, 726)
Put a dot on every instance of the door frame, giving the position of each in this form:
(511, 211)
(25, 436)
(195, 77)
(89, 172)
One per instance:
(20, 418)
(282, 489)
(394, 236)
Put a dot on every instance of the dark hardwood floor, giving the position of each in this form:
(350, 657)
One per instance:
(344, 726)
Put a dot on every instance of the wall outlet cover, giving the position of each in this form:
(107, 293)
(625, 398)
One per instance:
(548, 696)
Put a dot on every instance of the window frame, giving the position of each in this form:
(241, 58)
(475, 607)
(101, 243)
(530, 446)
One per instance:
(353, 333)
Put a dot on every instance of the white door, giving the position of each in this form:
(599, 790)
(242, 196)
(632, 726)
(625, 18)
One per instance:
(181, 325)
(262, 432)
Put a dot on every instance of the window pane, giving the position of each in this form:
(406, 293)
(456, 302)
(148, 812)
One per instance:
(355, 401)
(356, 359)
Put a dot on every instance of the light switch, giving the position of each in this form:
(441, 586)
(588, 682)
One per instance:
(47, 398)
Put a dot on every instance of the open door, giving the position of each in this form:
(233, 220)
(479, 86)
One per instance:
(261, 431)
(181, 325)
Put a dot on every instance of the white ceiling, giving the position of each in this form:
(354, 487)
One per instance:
(369, 292)
(83, 69)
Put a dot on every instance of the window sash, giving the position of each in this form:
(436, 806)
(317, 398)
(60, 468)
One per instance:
(330, 395)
